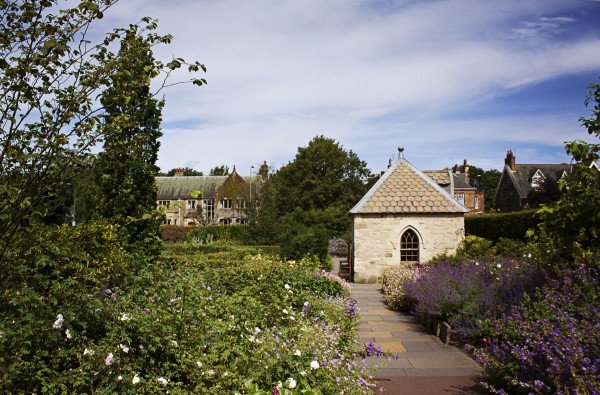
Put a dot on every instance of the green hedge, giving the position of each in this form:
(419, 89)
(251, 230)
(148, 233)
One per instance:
(507, 225)
(213, 233)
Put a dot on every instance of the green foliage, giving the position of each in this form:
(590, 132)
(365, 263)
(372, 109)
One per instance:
(222, 170)
(131, 128)
(174, 233)
(306, 203)
(510, 248)
(473, 247)
(52, 76)
(508, 225)
(322, 175)
(214, 233)
(187, 171)
(179, 326)
(572, 225)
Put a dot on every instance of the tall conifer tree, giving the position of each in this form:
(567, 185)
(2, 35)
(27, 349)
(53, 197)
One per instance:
(127, 165)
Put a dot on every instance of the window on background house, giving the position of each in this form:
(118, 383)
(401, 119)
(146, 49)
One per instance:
(225, 203)
(191, 204)
(225, 221)
(208, 206)
(240, 204)
(409, 246)
(537, 179)
(164, 203)
(460, 197)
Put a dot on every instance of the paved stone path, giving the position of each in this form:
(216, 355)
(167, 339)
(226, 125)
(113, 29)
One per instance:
(425, 365)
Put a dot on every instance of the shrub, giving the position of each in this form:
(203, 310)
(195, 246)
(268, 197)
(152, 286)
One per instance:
(393, 287)
(470, 292)
(184, 328)
(510, 248)
(174, 233)
(474, 247)
(508, 225)
(214, 233)
(549, 344)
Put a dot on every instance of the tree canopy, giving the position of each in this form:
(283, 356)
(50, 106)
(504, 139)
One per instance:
(187, 171)
(51, 78)
(306, 202)
(323, 174)
(572, 224)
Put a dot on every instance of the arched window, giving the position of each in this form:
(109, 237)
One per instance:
(409, 246)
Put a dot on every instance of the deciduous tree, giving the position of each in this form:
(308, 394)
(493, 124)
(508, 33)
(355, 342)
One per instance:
(49, 116)
(572, 224)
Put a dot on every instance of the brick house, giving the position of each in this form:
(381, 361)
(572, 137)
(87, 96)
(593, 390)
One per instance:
(405, 217)
(517, 180)
(208, 200)
(457, 184)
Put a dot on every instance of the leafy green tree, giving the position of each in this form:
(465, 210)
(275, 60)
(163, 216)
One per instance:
(323, 174)
(127, 166)
(488, 183)
(222, 170)
(49, 116)
(572, 224)
(306, 202)
(187, 172)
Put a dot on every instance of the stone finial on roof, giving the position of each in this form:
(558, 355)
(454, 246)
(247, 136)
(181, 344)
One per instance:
(400, 152)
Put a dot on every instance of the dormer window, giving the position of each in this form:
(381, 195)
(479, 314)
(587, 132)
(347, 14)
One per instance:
(537, 179)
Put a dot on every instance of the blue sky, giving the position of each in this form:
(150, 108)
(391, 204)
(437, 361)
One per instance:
(448, 80)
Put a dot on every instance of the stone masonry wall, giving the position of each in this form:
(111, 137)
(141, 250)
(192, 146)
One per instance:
(377, 240)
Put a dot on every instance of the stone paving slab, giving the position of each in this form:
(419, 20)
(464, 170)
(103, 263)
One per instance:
(421, 361)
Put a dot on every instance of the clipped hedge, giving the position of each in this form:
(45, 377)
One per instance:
(495, 226)
(213, 233)
(175, 233)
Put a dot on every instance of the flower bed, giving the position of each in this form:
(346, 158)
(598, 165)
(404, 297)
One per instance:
(531, 332)
(255, 324)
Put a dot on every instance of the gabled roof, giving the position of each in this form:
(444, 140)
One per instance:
(523, 174)
(173, 188)
(404, 189)
(460, 181)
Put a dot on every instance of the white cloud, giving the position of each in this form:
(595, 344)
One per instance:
(281, 72)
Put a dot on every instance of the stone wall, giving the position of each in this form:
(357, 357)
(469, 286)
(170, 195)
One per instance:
(377, 240)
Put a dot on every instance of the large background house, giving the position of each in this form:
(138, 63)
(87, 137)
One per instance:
(208, 200)
(518, 180)
(405, 217)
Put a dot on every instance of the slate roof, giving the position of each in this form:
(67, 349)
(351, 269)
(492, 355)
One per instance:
(524, 173)
(404, 189)
(173, 188)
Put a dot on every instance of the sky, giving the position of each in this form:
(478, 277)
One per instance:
(447, 80)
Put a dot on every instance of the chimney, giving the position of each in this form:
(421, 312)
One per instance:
(264, 171)
(466, 170)
(456, 170)
(510, 160)
(179, 172)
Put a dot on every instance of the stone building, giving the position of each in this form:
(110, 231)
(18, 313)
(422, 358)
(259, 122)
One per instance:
(405, 217)
(208, 200)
